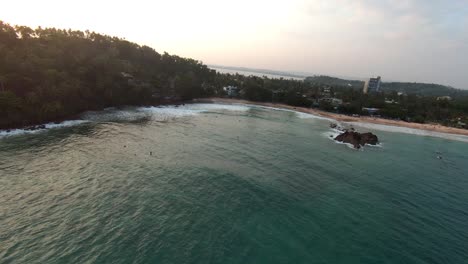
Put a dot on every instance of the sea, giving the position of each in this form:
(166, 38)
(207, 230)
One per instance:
(260, 73)
(220, 183)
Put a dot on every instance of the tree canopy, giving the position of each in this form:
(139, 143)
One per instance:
(49, 73)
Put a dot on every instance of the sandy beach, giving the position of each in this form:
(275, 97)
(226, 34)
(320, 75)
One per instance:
(345, 118)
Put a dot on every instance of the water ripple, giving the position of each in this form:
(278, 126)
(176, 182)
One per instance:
(227, 185)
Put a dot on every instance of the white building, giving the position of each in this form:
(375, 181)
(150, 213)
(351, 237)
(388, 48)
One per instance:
(231, 90)
(372, 85)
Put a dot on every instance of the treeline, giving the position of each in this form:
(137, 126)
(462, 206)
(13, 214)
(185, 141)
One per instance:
(422, 89)
(313, 93)
(413, 108)
(48, 74)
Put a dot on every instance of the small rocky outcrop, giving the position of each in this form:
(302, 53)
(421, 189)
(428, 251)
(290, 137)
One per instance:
(357, 139)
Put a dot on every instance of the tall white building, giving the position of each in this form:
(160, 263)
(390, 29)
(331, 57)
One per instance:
(372, 85)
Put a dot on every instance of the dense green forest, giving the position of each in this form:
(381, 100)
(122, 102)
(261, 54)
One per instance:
(49, 74)
(423, 89)
(391, 104)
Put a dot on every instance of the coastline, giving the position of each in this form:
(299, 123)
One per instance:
(363, 120)
(343, 118)
(38, 125)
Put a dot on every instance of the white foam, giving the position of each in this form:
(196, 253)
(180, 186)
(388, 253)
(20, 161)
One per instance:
(168, 112)
(211, 107)
(15, 132)
(349, 145)
(110, 115)
(172, 111)
(190, 109)
(299, 114)
(307, 116)
(406, 130)
(67, 123)
(161, 113)
(332, 134)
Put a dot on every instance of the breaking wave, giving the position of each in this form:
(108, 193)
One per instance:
(161, 113)
(307, 116)
(216, 107)
(299, 114)
(156, 113)
(15, 132)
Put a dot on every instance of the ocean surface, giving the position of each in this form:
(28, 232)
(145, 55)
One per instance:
(252, 72)
(210, 183)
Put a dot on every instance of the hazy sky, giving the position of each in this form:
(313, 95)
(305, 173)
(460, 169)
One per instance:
(408, 40)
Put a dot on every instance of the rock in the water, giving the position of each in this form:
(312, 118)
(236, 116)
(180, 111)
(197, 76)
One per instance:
(357, 139)
(369, 138)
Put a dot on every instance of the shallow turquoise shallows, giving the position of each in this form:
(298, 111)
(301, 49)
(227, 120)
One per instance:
(228, 184)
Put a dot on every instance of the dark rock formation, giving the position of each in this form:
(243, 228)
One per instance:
(357, 139)
(369, 138)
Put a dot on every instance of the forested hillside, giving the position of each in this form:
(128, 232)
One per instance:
(423, 89)
(47, 74)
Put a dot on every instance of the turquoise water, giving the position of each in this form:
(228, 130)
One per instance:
(228, 184)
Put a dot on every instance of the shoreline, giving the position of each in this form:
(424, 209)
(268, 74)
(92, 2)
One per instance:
(319, 113)
(344, 118)
(36, 125)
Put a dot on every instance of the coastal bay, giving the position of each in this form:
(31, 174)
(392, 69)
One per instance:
(347, 119)
(227, 183)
